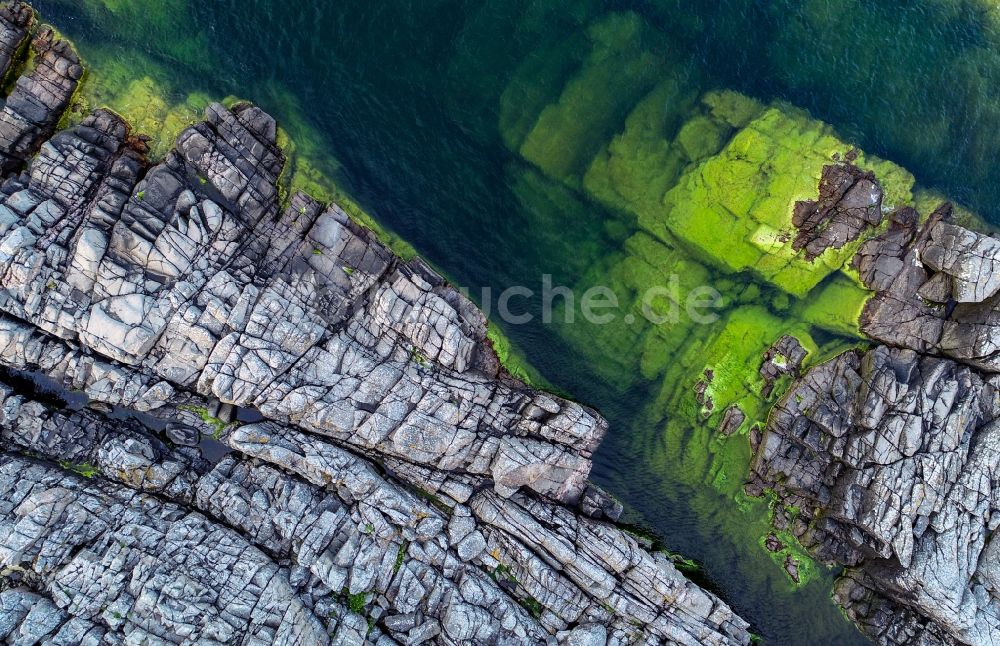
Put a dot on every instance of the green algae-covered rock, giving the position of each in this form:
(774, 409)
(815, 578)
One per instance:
(652, 282)
(728, 363)
(835, 306)
(561, 221)
(702, 137)
(141, 91)
(626, 60)
(735, 209)
(637, 167)
(535, 84)
(718, 371)
(732, 107)
(650, 264)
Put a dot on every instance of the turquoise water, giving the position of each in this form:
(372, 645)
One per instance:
(417, 102)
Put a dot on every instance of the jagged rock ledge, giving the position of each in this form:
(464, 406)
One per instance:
(887, 461)
(398, 486)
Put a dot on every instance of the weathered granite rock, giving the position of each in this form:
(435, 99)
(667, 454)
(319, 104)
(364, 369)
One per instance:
(306, 316)
(401, 487)
(893, 460)
(891, 457)
(936, 289)
(784, 357)
(33, 109)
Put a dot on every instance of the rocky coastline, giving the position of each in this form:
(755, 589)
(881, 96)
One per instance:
(395, 485)
(233, 415)
(880, 458)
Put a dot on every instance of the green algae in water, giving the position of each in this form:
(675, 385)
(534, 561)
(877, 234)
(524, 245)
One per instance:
(513, 360)
(137, 22)
(536, 84)
(549, 44)
(142, 96)
(562, 217)
(715, 182)
(637, 167)
(140, 87)
(623, 64)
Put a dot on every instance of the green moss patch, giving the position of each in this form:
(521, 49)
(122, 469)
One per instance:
(142, 92)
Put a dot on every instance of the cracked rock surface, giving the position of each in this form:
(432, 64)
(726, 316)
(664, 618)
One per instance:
(285, 434)
(850, 201)
(887, 461)
(112, 532)
(188, 273)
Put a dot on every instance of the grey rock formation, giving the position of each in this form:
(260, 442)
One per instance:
(900, 454)
(33, 109)
(326, 547)
(889, 459)
(401, 487)
(784, 357)
(190, 275)
(936, 290)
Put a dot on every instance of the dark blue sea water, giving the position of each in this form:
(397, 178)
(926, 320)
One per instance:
(414, 100)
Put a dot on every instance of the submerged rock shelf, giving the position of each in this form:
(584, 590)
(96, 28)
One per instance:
(405, 488)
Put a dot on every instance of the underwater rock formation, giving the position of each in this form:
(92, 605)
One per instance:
(888, 458)
(754, 178)
(401, 486)
(723, 192)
